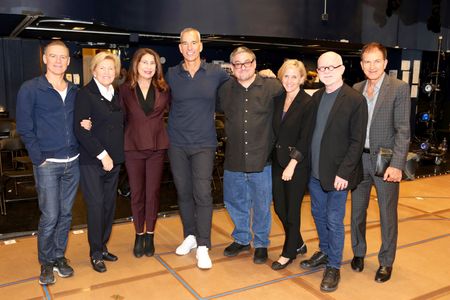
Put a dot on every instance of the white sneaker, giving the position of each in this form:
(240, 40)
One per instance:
(203, 260)
(189, 243)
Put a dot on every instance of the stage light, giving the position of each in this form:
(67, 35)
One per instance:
(424, 117)
(428, 87)
(425, 146)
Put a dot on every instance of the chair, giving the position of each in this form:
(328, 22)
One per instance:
(6, 127)
(19, 171)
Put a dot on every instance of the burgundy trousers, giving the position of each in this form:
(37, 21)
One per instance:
(145, 168)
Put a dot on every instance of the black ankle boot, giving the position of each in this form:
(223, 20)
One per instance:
(138, 249)
(149, 248)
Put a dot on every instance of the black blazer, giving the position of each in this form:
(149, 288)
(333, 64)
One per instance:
(293, 133)
(107, 125)
(343, 138)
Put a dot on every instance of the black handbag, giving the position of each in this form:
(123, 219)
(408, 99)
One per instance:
(384, 157)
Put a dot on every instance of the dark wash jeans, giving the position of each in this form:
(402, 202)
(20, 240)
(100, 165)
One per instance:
(328, 210)
(57, 185)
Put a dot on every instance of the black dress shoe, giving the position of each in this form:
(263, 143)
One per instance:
(278, 266)
(357, 264)
(234, 249)
(138, 249)
(330, 281)
(302, 249)
(98, 265)
(108, 256)
(149, 248)
(260, 255)
(383, 274)
(318, 259)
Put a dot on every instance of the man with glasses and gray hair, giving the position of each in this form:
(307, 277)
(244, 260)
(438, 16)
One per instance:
(336, 149)
(247, 102)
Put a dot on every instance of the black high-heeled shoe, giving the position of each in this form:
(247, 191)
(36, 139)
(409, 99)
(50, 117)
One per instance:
(278, 266)
(302, 249)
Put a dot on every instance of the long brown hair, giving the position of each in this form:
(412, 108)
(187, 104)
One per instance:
(158, 80)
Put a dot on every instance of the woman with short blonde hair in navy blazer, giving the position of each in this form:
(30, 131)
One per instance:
(145, 98)
(101, 153)
(292, 126)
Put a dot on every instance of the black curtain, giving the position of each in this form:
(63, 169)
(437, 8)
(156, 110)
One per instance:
(19, 61)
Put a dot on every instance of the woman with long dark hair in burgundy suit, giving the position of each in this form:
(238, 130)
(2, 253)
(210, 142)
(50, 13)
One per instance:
(145, 98)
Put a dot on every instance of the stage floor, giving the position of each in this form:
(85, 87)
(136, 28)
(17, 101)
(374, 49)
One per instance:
(421, 269)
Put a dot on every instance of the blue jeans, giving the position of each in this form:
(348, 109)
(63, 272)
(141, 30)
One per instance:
(56, 184)
(247, 197)
(328, 210)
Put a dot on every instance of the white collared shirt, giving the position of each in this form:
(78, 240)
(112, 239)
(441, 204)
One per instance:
(107, 92)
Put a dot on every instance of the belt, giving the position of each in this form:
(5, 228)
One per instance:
(366, 150)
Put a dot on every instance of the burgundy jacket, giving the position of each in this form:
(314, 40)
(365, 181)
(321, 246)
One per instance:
(144, 132)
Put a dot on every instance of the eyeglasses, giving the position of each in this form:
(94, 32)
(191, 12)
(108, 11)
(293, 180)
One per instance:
(246, 64)
(329, 68)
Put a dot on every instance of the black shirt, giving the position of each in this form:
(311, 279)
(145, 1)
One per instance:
(148, 103)
(248, 122)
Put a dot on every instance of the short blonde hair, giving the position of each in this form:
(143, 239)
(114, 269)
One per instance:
(101, 56)
(292, 63)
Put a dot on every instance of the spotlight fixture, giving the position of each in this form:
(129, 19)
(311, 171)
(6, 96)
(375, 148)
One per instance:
(428, 88)
(425, 146)
(424, 117)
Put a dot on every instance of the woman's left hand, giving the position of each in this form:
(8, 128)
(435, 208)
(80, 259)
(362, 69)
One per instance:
(289, 170)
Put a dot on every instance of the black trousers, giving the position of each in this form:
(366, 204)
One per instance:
(192, 174)
(287, 201)
(100, 192)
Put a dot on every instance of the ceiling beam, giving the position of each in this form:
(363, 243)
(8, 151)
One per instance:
(23, 24)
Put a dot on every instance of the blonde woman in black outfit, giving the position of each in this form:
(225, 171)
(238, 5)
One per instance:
(101, 153)
(292, 126)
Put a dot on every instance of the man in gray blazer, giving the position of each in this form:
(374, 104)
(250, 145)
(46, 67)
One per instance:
(389, 108)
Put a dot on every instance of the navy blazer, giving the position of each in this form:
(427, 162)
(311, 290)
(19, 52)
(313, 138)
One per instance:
(107, 125)
(343, 138)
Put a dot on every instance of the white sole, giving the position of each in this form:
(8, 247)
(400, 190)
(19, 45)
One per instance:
(185, 253)
(42, 283)
(60, 274)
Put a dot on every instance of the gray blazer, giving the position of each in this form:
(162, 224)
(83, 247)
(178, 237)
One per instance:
(390, 126)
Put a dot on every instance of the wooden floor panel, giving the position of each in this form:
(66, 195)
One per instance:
(421, 269)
